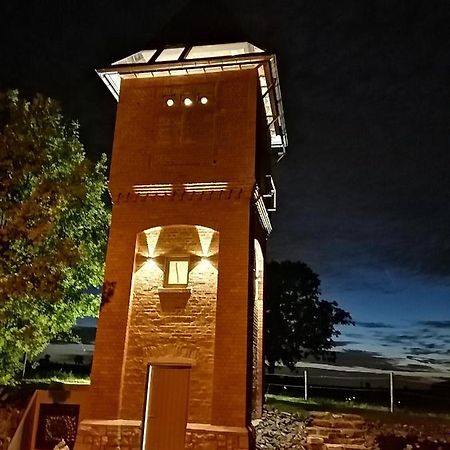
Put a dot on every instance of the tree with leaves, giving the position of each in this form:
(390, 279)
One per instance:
(298, 322)
(53, 228)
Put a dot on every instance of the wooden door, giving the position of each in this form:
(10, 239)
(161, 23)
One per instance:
(165, 415)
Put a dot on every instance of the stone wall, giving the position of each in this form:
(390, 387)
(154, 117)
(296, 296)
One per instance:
(126, 435)
(207, 437)
(108, 435)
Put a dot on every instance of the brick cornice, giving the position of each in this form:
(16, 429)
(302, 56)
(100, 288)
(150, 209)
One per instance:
(180, 193)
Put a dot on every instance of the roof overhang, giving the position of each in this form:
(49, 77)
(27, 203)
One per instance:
(180, 61)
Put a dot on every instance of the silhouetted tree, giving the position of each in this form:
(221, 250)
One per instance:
(298, 322)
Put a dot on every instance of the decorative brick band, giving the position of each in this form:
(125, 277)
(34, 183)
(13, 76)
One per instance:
(226, 194)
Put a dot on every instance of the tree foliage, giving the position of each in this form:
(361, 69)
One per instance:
(298, 322)
(53, 228)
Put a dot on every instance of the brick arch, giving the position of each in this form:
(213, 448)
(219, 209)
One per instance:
(171, 354)
(173, 325)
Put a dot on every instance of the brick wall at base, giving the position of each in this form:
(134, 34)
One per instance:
(109, 435)
(126, 435)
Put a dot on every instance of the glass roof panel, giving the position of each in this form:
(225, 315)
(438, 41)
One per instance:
(211, 51)
(170, 54)
(141, 57)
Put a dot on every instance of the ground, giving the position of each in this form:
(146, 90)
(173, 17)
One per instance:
(286, 422)
(385, 431)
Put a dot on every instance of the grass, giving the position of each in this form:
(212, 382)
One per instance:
(320, 404)
(369, 412)
(57, 377)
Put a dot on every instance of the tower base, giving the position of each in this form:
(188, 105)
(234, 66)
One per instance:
(127, 435)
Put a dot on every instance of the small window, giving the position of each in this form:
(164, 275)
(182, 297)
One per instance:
(176, 273)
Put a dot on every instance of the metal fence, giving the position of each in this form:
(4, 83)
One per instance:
(390, 388)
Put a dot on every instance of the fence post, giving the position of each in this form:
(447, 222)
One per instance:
(391, 385)
(24, 368)
(305, 375)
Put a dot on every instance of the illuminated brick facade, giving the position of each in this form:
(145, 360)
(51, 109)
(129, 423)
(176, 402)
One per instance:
(189, 169)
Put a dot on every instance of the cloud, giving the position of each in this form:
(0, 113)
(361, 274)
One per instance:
(354, 335)
(433, 361)
(364, 358)
(418, 367)
(436, 324)
(398, 338)
(417, 351)
(373, 325)
(345, 343)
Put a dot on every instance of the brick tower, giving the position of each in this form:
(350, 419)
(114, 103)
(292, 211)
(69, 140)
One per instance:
(178, 358)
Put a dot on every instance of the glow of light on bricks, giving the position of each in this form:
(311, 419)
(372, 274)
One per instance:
(205, 236)
(204, 264)
(152, 236)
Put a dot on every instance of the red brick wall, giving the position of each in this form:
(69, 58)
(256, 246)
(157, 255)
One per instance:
(110, 342)
(154, 145)
(231, 217)
(157, 144)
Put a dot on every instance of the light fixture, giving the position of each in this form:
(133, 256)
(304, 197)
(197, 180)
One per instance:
(187, 101)
(170, 102)
(151, 263)
(205, 263)
(203, 100)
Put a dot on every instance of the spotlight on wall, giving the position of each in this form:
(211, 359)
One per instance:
(204, 262)
(187, 101)
(170, 102)
(203, 100)
(151, 263)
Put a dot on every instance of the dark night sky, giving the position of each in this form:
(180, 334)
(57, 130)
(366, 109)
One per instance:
(364, 191)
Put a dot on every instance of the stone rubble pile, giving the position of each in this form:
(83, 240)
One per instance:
(280, 430)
